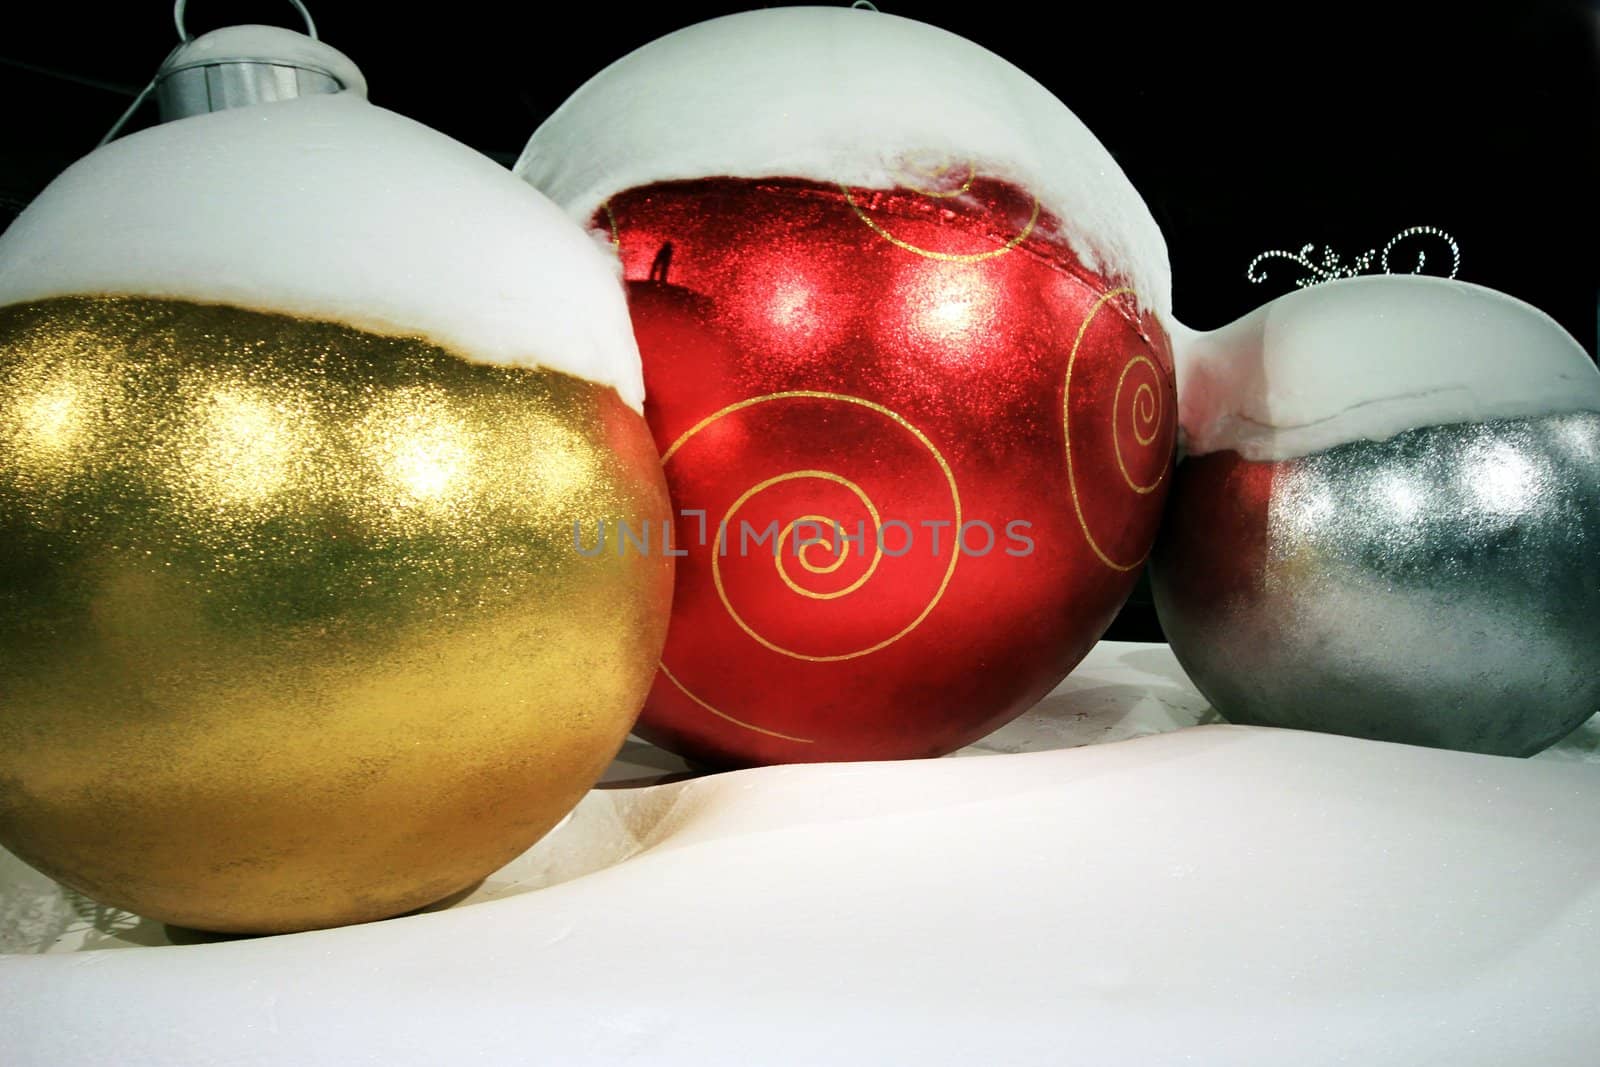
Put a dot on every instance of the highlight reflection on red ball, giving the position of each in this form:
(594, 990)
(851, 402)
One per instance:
(956, 435)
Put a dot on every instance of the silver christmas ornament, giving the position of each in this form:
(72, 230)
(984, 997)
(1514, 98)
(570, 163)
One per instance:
(1438, 584)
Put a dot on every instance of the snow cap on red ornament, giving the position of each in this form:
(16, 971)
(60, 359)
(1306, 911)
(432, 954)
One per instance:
(849, 96)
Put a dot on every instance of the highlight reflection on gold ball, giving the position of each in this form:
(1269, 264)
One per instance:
(293, 631)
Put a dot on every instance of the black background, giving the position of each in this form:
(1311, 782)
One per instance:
(1244, 127)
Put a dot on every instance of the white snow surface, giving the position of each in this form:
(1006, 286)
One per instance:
(1370, 357)
(330, 208)
(1223, 896)
(1215, 896)
(849, 96)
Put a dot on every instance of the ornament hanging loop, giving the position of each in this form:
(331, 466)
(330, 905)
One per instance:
(185, 36)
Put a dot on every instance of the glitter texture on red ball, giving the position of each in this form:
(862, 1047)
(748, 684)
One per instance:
(959, 433)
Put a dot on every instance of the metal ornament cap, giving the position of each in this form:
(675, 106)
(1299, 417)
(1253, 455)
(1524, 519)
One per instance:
(238, 66)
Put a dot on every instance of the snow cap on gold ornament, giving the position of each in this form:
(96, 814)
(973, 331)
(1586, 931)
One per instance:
(329, 207)
(300, 402)
(894, 301)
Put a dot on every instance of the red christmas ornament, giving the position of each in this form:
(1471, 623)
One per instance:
(958, 435)
(899, 318)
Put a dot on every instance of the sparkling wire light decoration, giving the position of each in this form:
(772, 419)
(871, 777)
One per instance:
(1330, 268)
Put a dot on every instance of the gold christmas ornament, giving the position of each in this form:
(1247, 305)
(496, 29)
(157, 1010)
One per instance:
(300, 404)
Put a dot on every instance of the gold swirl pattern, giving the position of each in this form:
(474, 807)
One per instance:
(943, 257)
(805, 559)
(777, 556)
(937, 173)
(841, 554)
(673, 678)
(1148, 410)
(840, 550)
(895, 417)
